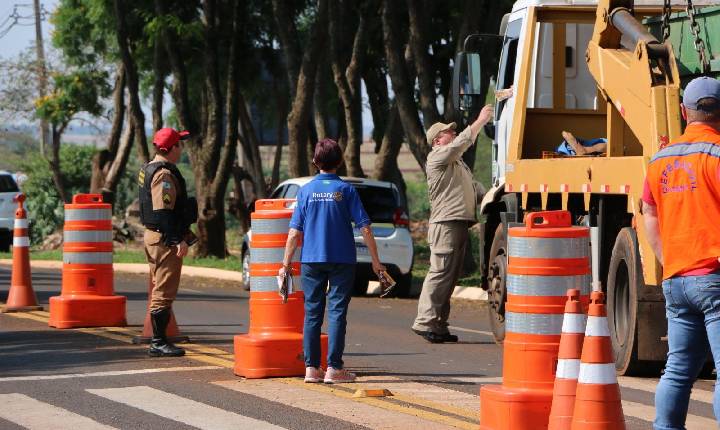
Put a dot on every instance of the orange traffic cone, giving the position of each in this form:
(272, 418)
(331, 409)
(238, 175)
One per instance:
(568, 366)
(597, 399)
(21, 297)
(172, 331)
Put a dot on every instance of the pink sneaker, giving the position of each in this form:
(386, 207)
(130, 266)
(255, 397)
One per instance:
(338, 376)
(314, 374)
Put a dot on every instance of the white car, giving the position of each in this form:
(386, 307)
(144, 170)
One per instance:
(8, 190)
(390, 225)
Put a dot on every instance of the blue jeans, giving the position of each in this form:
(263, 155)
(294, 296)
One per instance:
(315, 278)
(692, 305)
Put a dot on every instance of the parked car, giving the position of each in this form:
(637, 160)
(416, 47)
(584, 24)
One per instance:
(8, 190)
(390, 225)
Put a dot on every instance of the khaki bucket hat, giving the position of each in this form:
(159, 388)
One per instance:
(436, 129)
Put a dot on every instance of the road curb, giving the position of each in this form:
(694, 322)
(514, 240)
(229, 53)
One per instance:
(465, 293)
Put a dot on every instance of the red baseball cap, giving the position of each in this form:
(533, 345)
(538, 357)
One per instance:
(166, 138)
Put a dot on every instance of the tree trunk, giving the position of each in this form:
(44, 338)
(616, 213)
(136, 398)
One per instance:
(54, 161)
(419, 26)
(289, 41)
(386, 167)
(376, 86)
(132, 81)
(117, 166)
(347, 80)
(103, 159)
(281, 107)
(237, 205)
(322, 126)
(401, 84)
(160, 72)
(251, 147)
(302, 103)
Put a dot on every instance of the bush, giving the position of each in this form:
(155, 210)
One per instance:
(418, 202)
(43, 201)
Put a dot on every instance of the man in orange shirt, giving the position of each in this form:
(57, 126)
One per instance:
(681, 209)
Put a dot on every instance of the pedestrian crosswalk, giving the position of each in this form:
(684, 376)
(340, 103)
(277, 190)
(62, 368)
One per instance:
(413, 405)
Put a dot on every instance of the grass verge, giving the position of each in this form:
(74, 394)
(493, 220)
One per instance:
(138, 256)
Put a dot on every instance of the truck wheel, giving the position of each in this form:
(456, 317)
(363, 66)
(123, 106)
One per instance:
(625, 278)
(497, 293)
(404, 284)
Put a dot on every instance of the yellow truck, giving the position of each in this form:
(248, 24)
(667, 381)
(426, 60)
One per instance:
(593, 69)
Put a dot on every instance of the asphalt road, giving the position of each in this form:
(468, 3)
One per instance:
(97, 379)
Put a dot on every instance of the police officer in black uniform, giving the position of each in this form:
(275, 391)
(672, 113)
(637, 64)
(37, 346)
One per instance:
(167, 213)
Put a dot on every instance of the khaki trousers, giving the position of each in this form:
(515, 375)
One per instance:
(447, 241)
(165, 268)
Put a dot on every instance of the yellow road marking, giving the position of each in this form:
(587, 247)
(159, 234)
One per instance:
(384, 403)
(225, 359)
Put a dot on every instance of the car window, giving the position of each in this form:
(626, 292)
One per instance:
(277, 194)
(379, 202)
(291, 191)
(7, 184)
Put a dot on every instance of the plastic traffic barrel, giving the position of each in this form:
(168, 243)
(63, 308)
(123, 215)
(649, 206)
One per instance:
(87, 298)
(273, 345)
(546, 257)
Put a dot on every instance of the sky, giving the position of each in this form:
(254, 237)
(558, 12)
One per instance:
(22, 34)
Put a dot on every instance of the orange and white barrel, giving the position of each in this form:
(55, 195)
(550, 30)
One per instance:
(87, 298)
(273, 345)
(546, 257)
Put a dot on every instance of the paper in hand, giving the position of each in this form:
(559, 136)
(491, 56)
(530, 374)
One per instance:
(387, 284)
(285, 286)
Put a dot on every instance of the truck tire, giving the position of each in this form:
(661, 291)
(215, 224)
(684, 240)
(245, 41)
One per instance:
(497, 292)
(625, 279)
(362, 280)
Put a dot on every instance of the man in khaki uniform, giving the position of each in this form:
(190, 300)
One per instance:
(452, 194)
(167, 213)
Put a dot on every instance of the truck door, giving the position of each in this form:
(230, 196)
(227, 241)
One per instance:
(504, 108)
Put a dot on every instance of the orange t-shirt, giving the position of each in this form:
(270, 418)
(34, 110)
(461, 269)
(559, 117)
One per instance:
(683, 181)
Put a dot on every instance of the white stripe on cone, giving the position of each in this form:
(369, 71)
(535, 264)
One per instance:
(568, 368)
(597, 373)
(573, 323)
(21, 223)
(597, 326)
(21, 242)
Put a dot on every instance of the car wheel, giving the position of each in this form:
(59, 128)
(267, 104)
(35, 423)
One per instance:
(362, 279)
(246, 269)
(5, 241)
(497, 291)
(404, 284)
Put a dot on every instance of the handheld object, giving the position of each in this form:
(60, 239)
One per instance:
(387, 283)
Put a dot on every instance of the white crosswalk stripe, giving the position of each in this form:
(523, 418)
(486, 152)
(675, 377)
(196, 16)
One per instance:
(180, 409)
(36, 415)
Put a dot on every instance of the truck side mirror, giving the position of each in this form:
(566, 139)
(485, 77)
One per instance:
(466, 85)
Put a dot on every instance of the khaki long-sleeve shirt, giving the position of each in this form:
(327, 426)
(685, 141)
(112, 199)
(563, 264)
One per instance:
(451, 188)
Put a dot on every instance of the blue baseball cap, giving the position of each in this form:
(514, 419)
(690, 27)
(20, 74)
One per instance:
(701, 88)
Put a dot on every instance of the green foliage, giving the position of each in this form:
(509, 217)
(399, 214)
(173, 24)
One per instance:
(43, 202)
(73, 92)
(417, 195)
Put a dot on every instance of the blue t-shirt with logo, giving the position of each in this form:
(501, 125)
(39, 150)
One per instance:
(326, 206)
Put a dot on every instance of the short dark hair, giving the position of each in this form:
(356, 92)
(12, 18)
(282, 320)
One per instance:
(328, 155)
(708, 110)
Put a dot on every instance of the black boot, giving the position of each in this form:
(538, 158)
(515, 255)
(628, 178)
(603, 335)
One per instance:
(159, 345)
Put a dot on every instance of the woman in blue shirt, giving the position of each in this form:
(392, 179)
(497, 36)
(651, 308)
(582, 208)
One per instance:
(326, 208)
